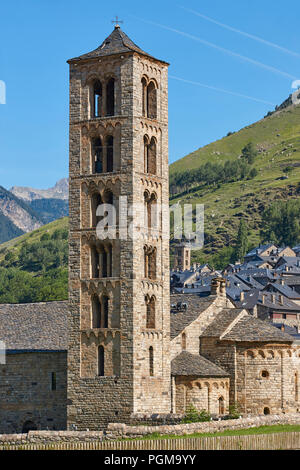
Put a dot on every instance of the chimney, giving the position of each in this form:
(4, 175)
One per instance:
(282, 282)
(242, 296)
(263, 299)
(218, 287)
(281, 299)
(255, 311)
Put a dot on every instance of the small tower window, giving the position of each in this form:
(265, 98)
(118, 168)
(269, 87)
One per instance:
(183, 341)
(151, 361)
(101, 361)
(110, 98)
(265, 374)
(266, 411)
(97, 101)
(53, 381)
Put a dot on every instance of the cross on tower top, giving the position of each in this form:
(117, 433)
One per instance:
(117, 21)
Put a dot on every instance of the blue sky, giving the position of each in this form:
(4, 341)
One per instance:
(38, 36)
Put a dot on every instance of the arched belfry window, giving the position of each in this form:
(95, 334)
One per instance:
(95, 263)
(151, 361)
(150, 312)
(110, 97)
(97, 154)
(96, 201)
(152, 157)
(146, 153)
(144, 96)
(150, 263)
(101, 361)
(149, 99)
(152, 101)
(150, 203)
(96, 312)
(97, 99)
(109, 154)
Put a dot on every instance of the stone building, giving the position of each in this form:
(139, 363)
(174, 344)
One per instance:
(33, 391)
(182, 257)
(119, 337)
(262, 362)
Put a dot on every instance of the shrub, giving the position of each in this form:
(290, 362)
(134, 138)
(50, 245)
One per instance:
(234, 411)
(192, 415)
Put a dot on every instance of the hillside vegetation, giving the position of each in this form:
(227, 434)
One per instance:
(34, 266)
(277, 174)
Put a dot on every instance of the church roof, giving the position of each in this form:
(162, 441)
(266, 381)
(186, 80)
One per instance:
(194, 365)
(221, 322)
(195, 306)
(39, 326)
(116, 43)
(251, 329)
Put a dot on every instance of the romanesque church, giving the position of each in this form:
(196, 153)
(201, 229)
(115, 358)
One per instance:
(122, 348)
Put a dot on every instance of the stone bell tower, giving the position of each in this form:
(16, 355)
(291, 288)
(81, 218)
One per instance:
(119, 323)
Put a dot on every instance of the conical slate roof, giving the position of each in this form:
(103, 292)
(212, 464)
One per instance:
(116, 43)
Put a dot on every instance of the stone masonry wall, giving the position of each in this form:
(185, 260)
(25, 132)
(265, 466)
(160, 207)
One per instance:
(119, 431)
(25, 392)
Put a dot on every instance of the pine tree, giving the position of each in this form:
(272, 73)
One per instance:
(242, 241)
(249, 152)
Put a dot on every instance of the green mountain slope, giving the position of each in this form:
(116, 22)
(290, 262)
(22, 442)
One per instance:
(277, 140)
(34, 266)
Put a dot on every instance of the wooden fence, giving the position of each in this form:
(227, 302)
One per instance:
(278, 441)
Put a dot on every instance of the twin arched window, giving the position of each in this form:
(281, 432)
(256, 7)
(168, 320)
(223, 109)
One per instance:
(103, 155)
(99, 312)
(96, 201)
(103, 98)
(150, 263)
(101, 261)
(150, 155)
(149, 105)
(150, 202)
